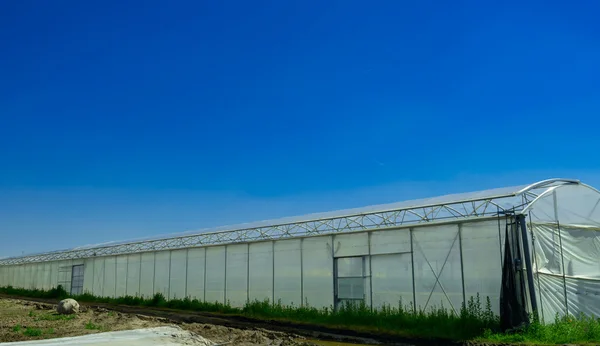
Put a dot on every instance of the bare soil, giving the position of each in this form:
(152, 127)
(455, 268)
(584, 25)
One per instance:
(318, 335)
(22, 320)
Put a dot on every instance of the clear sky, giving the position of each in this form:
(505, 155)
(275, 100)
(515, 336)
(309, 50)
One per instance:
(121, 120)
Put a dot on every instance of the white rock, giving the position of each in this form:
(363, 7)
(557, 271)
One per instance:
(68, 306)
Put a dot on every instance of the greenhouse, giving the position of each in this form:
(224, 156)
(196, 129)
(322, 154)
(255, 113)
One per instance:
(533, 248)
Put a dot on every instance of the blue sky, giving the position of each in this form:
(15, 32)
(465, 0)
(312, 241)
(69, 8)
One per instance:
(120, 121)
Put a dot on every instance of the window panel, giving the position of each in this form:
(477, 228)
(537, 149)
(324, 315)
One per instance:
(351, 288)
(351, 266)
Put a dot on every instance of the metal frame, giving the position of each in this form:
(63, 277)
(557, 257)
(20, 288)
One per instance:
(421, 212)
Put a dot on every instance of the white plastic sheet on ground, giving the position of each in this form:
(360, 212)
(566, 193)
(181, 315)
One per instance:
(167, 336)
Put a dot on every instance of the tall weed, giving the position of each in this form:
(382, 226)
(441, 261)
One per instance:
(437, 322)
(474, 320)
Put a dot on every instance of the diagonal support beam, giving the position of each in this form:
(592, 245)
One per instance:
(437, 276)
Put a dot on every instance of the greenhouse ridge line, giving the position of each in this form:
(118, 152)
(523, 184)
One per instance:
(466, 205)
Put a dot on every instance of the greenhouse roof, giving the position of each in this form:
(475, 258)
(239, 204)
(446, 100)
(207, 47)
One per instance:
(456, 206)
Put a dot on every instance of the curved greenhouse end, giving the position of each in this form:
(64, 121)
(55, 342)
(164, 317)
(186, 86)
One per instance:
(564, 229)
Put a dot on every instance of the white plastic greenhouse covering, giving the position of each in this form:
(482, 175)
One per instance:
(421, 262)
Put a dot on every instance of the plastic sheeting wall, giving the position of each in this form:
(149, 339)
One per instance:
(38, 275)
(121, 276)
(134, 265)
(236, 279)
(391, 268)
(437, 264)
(215, 274)
(565, 225)
(177, 274)
(147, 274)
(162, 271)
(568, 281)
(287, 281)
(110, 277)
(482, 260)
(260, 271)
(196, 270)
(425, 266)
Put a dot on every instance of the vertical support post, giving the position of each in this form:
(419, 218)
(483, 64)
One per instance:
(562, 257)
(462, 264)
(32, 284)
(204, 283)
(103, 276)
(530, 283)
(169, 281)
(126, 274)
(225, 279)
(273, 272)
(370, 272)
(248, 273)
(335, 289)
(187, 268)
(93, 275)
(538, 278)
(500, 247)
(116, 276)
(412, 260)
(335, 271)
(154, 273)
(301, 271)
(139, 292)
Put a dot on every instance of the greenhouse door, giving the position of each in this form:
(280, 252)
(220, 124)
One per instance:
(350, 278)
(77, 279)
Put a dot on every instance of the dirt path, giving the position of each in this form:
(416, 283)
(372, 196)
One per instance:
(211, 325)
(22, 320)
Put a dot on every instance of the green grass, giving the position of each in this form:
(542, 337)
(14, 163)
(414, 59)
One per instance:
(32, 332)
(92, 326)
(565, 330)
(54, 293)
(474, 321)
(51, 317)
(55, 317)
(29, 331)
